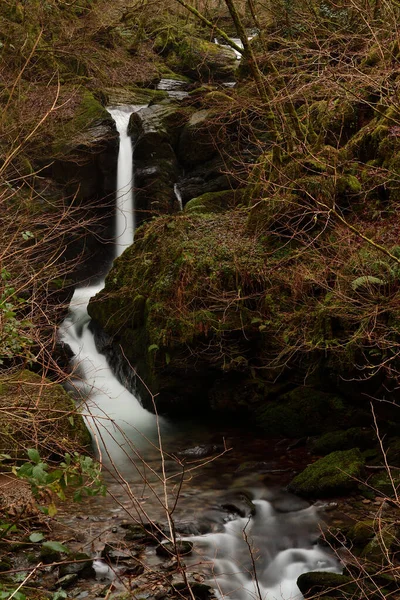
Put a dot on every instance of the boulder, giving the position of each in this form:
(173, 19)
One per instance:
(198, 142)
(305, 411)
(318, 584)
(164, 121)
(194, 57)
(335, 474)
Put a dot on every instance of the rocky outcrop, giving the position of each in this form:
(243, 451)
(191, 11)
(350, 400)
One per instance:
(195, 57)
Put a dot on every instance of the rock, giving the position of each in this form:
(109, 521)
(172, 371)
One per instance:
(335, 474)
(360, 534)
(83, 567)
(67, 581)
(197, 142)
(154, 182)
(116, 555)
(148, 533)
(200, 451)
(195, 57)
(321, 585)
(305, 411)
(239, 504)
(199, 591)
(216, 202)
(131, 95)
(133, 570)
(284, 502)
(355, 437)
(169, 549)
(163, 121)
(207, 177)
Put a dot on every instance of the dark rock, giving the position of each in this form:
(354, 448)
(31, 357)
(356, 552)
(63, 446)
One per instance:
(115, 554)
(239, 504)
(284, 502)
(335, 474)
(306, 411)
(148, 533)
(169, 550)
(314, 584)
(83, 567)
(200, 451)
(133, 570)
(355, 437)
(200, 591)
(197, 142)
(68, 580)
(160, 123)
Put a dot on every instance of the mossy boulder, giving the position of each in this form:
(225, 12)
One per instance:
(303, 411)
(355, 437)
(335, 474)
(215, 202)
(160, 123)
(198, 142)
(39, 414)
(195, 57)
(318, 584)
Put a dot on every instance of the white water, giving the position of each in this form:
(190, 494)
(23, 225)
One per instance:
(282, 545)
(115, 417)
(178, 196)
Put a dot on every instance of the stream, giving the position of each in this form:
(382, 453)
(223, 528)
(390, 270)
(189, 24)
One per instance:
(224, 485)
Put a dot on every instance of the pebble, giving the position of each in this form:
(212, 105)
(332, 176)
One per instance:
(366, 501)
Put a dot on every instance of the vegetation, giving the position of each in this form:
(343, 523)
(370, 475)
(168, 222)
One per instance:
(261, 298)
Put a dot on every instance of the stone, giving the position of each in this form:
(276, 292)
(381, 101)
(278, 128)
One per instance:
(335, 474)
(314, 584)
(67, 581)
(83, 567)
(197, 142)
(169, 549)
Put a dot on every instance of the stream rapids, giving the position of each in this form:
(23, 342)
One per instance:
(251, 539)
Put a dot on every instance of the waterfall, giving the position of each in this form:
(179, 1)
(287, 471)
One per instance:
(178, 196)
(114, 416)
(125, 219)
(280, 546)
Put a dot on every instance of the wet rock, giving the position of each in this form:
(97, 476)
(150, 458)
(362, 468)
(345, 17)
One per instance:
(285, 503)
(200, 451)
(205, 178)
(200, 591)
(115, 555)
(160, 122)
(147, 533)
(133, 570)
(314, 584)
(169, 549)
(335, 474)
(83, 567)
(67, 581)
(240, 505)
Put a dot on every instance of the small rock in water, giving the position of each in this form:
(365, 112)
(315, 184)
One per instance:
(169, 549)
(67, 580)
(200, 451)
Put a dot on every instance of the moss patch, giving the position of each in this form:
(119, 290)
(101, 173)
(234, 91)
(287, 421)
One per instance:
(335, 474)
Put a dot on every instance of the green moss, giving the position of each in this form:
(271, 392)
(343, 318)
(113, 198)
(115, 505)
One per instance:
(215, 202)
(355, 437)
(361, 533)
(303, 411)
(325, 585)
(335, 474)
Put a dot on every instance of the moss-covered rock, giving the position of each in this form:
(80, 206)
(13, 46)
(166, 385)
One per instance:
(39, 414)
(303, 411)
(335, 474)
(355, 437)
(195, 57)
(215, 202)
(318, 584)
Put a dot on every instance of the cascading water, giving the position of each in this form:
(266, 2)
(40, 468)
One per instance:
(114, 415)
(279, 545)
(178, 196)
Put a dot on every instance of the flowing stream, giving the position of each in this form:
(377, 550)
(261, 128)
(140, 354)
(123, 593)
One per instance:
(255, 552)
